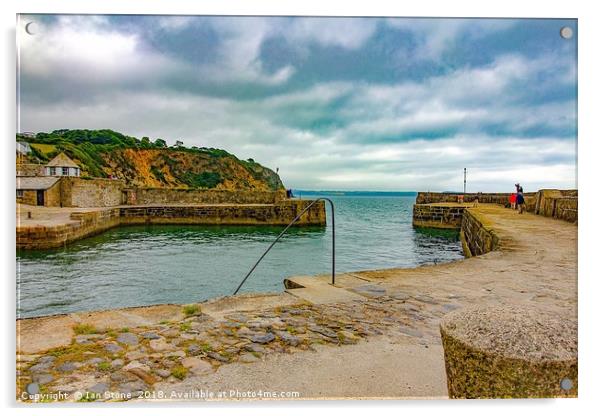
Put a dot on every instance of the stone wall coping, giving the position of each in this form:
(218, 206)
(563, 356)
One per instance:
(520, 332)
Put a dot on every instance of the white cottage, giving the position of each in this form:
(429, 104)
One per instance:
(62, 165)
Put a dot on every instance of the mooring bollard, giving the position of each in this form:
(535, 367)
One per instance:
(509, 352)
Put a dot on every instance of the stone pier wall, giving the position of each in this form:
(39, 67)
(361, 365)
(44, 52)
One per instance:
(555, 203)
(88, 224)
(276, 214)
(169, 196)
(561, 204)
(476, 238)
(438, 216)
(485, 198)
(85, 224)
(566, 209)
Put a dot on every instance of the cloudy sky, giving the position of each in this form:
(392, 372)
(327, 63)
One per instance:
(334, 103)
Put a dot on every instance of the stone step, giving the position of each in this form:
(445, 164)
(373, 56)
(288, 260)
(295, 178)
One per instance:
(319, 290)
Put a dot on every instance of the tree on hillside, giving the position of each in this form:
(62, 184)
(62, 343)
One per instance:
(160, 143)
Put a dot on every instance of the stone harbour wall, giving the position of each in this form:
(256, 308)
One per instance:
(437, 216)
(555, 203)
(485, 198)
(566, 209)
(436, 197)
(93, 222)
(561, 204)
(476, 238)
(235, 214)
(162, 196)
(88, 224)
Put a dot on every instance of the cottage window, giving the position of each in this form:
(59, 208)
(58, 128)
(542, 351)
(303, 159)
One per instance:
(52, 171)
(19, 193)
(65, 171)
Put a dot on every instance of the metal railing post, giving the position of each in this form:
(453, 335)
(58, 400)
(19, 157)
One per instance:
(307, 208)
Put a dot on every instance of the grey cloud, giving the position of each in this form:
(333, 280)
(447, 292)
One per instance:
(409, 134)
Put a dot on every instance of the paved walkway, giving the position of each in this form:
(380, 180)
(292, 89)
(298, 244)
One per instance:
(31, 215)
(374, 336)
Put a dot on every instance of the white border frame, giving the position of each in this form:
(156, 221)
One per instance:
(588, 156)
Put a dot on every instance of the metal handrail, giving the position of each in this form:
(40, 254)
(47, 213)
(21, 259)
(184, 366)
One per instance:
(285, 230)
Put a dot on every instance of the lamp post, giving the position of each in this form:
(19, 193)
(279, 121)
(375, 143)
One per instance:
(464, 180)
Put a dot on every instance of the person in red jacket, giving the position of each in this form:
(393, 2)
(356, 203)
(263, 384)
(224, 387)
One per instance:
(512, 200)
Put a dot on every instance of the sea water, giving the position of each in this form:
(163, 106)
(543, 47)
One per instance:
(144, 265)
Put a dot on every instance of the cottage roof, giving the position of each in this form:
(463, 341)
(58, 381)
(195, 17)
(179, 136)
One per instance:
(36, 182)
(62, 161)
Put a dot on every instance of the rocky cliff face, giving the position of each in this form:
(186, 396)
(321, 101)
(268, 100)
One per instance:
(173, 168)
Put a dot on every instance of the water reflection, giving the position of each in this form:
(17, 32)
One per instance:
(113, 239)
(432, 245)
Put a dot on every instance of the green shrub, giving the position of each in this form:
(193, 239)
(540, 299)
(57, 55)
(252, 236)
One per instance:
(206, 347)
(202, 180)
(84, 329)
(179, 372)
(104, 366)
(190, 310)
(158, 174)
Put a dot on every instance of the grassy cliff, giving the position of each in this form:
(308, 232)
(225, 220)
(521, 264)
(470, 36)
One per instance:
(151, 163)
